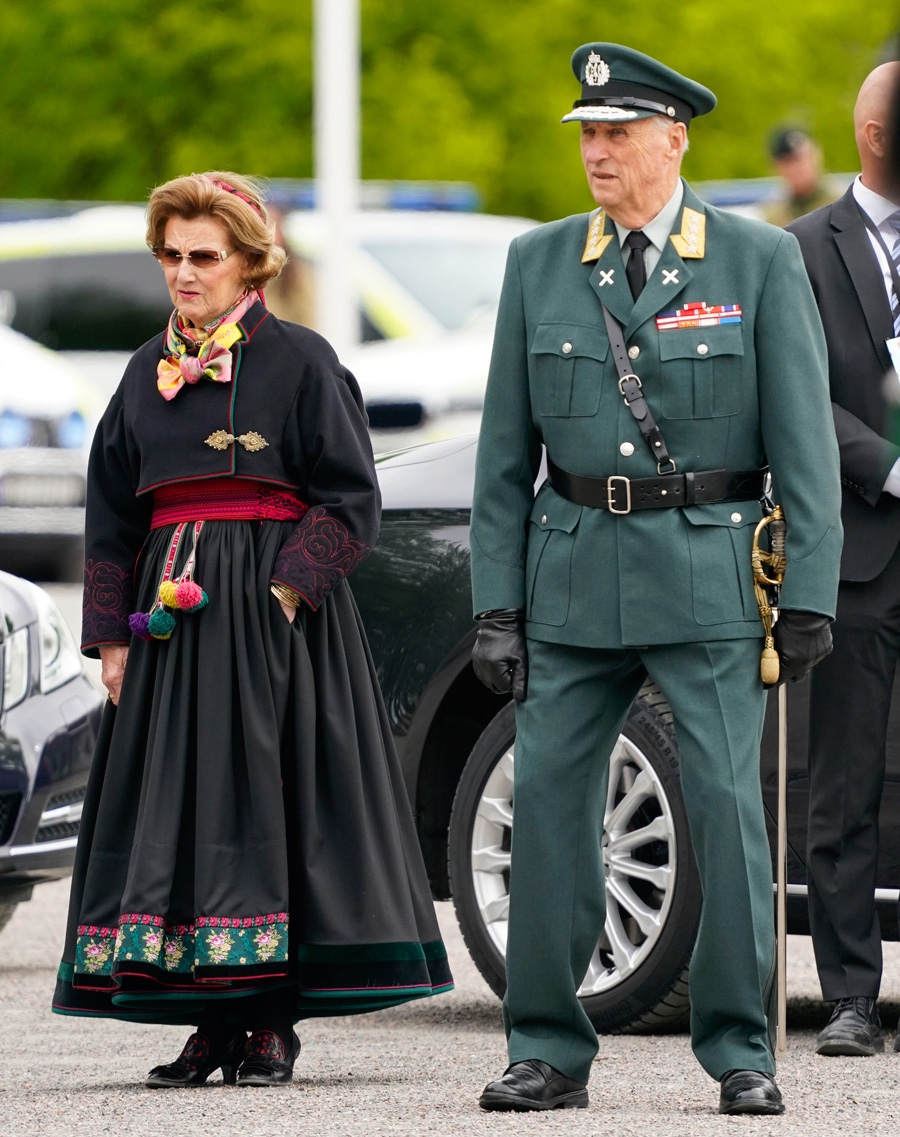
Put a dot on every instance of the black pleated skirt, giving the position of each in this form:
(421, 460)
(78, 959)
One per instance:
(246, 826)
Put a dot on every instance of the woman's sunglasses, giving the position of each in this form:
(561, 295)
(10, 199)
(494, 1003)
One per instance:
(199, 258)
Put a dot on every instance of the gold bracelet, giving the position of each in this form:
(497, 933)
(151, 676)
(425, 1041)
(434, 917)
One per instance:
(285, 595)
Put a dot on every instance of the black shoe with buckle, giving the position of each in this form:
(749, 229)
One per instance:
(198, 1060)
(749, 1091)
(267, 1062)
(533, 1085)
(854, 1029)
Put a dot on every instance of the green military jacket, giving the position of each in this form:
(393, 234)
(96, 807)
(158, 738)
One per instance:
(731, 396)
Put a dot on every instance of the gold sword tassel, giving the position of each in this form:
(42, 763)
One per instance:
(764, 562)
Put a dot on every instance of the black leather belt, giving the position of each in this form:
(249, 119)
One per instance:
(622, 495)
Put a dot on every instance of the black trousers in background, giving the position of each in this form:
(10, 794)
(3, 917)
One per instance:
(850, 702)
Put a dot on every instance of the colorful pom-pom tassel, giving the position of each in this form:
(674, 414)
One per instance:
(161, 624)
(139, 623)
(168, 591)
(190, 596)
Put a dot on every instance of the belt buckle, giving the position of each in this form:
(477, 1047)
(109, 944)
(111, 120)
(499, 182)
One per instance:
(610, 492)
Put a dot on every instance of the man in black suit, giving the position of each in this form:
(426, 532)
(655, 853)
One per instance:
(852, 250)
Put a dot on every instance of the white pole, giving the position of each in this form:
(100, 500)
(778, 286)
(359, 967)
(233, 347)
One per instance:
(336, 65)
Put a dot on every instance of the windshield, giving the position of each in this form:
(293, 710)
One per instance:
(456, 282)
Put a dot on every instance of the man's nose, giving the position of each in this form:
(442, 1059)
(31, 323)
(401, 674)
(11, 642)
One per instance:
(596, 150)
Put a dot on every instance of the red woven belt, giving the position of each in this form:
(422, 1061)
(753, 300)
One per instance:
(229, 499)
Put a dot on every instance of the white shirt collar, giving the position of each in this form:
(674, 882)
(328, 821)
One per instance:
(657, 231)
(878, 208)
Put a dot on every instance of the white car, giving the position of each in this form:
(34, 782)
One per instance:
(86, 282)
(47, 411)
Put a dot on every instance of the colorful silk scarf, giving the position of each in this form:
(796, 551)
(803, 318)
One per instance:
(193, 354)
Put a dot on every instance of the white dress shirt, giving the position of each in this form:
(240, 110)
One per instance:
(656, 231)
(879, 210)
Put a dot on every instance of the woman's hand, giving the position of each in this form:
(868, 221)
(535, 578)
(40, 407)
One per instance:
(288, 611)
(113, 658)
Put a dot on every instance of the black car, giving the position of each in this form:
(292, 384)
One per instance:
(456, 743)
(49, 717)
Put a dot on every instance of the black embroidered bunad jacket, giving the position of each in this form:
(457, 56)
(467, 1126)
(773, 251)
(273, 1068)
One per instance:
(288, 430)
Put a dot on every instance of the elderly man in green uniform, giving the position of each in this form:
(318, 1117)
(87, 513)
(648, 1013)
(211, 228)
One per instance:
(664, 354)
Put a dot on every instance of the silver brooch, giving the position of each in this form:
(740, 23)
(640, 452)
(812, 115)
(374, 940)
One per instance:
(596, 71)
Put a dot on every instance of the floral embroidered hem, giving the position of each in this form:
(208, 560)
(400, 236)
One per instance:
(210, 942)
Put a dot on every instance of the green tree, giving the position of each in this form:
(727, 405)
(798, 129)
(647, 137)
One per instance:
(107, 99)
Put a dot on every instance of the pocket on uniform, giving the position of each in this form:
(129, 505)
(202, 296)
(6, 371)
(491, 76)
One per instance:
(720, 538)
(702, 371)
(567, 362)
(548, 560)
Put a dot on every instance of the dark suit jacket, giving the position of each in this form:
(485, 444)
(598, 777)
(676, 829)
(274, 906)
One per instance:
(856, 314)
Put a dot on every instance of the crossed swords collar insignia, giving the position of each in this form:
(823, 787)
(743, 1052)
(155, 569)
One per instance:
(690, 243)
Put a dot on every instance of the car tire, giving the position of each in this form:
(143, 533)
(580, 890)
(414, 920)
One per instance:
(642, 986)
(6, 912)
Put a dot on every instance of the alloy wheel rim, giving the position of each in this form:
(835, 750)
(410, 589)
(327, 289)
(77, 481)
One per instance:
(639, 851)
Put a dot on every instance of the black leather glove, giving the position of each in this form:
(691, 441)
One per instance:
(802, 639)
(500, 657)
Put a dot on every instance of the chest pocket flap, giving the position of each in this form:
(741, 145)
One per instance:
(567, 368)
(688, 343)
(702, 371)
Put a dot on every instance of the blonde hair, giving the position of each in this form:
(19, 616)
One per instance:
(241, 209)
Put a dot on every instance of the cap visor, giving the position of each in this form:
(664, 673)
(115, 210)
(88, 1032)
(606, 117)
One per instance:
(605, 114)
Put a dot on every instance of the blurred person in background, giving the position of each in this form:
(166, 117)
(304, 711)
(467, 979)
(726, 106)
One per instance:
(247, 856)
(798, 159)
(852, 250)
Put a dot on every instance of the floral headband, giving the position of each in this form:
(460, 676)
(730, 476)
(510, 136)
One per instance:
(237, 193)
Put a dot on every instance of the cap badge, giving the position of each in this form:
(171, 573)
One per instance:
(596, 71)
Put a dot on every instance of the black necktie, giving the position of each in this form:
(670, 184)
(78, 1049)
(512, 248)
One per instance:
(637, 241)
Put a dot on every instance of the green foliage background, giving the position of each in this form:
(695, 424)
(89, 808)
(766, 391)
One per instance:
(104, 100)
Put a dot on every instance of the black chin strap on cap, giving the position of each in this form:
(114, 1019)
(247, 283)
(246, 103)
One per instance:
(637, 96)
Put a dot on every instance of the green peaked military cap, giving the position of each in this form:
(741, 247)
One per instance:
(619, 84)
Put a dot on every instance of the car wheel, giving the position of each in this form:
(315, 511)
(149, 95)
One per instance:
(637, 978)
(6, 911)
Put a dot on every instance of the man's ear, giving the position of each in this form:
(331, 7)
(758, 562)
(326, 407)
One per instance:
(876, 137)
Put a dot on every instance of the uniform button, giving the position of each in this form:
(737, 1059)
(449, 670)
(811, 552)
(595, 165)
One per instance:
(567, 347)
(702, 349)
(544, 519)
(736, 517)
(634, 351)
(627, 448)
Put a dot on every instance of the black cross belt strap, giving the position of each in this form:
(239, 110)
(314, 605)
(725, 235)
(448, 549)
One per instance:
(630, 386)
(620, 494)
(623, 495)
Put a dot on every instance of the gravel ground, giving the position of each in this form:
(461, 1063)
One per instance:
(416, 1069)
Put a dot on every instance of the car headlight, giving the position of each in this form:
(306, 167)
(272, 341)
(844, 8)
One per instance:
(15, 430)
(70, 431)
(15, 668)
(60, 660)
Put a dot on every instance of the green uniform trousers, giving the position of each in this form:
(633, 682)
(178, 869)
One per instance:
(578, 700)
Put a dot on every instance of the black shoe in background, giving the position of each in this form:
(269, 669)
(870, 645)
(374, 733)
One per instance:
(200, 1058)
(749, 1091)
(854, 1029)
(533, 1085)
(268, 1062)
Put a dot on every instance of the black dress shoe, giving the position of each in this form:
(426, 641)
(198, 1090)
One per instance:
(749, 1091)
(853, 1029)
(198, 1060)
(534, 1085)
(267, 1063)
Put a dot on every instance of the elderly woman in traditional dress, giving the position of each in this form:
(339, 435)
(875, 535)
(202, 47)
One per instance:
(247, 855)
